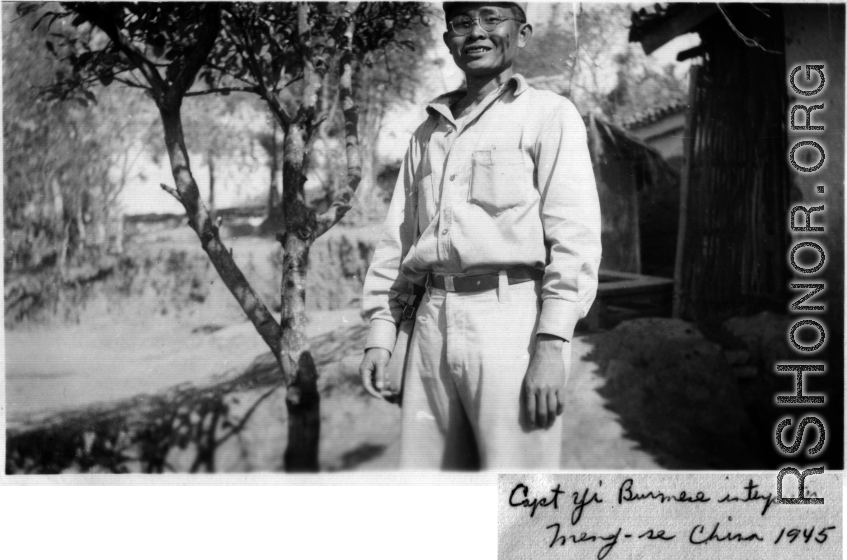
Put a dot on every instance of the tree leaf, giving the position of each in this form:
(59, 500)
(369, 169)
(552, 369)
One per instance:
(25, 8)
(39, 20)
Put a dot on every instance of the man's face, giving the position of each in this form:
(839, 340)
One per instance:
(483, 53)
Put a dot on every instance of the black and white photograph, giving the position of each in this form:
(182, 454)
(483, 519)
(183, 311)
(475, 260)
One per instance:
(355, 240)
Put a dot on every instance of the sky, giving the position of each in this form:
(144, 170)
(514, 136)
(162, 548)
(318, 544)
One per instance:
(236, 185)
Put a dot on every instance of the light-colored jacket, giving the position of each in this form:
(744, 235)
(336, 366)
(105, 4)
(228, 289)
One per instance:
(509, 185)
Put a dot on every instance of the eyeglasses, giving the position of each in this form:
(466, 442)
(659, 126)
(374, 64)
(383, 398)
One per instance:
(462, 25)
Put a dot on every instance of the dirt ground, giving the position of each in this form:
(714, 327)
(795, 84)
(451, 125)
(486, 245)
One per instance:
(97, 365)
(121, 345)
(639, 397)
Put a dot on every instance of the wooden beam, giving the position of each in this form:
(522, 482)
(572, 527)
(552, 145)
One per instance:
(654, 287)
(676, 26)
(688, 141)
(699, 50)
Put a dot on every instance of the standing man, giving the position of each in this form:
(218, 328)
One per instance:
(495, 211)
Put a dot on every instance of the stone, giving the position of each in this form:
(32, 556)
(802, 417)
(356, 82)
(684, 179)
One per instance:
(765, 336)
(736, 357)
(676, 394)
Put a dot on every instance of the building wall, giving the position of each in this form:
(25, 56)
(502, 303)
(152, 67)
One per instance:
(734, 246)
(618, 196)
(659, 205)
(664, 135)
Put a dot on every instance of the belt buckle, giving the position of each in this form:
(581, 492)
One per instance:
(409, 311)
(448, 283)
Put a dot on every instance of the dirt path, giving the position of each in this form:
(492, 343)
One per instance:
(594, 438)
(74, 366)
(56, 369)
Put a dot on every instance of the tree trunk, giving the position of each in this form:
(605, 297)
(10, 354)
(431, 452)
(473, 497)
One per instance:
(273, 190)
(80, 228)
(272, 194)
(288, 344)
(302, 399)
(119, 233)
(373, 114)
(58, 202)
(287, 341)
(274, 221)
(63, 252)
(210, 160)
(198, 218)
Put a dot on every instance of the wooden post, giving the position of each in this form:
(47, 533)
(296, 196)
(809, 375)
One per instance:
(688, 143)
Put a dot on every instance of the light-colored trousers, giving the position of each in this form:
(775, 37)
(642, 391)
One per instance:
(462, 395)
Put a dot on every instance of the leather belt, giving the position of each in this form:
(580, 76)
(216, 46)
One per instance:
(482, 282)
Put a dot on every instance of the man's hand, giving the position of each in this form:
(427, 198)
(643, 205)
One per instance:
(544, 383)
(372, 371)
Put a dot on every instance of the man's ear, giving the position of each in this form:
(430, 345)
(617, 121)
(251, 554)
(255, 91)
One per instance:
(524, 34)
(446, 38)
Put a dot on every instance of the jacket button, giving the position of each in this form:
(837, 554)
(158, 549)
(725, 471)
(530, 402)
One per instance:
(443, 232)
(453, 177)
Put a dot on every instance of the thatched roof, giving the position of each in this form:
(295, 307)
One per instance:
(608, 140)
(653, 114)
(611, 141)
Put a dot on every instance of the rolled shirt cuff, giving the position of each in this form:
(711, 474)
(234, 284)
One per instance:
(382, 334)
(559, 317)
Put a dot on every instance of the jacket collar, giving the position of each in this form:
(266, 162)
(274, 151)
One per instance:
(441, 104)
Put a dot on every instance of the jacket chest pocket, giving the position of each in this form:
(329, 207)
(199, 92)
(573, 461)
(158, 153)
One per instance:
(498, 180)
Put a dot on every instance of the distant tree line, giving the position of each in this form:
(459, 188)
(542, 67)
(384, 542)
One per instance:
(578, 44)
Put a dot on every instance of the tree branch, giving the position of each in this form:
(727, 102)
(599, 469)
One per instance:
(255, 69)
(293, 80)
(311, 74)
(210, 29)
(171, 191)
(343, 199)
(98, 17)
(223, 70)
(282, 116)
(224, 90)
(130, 83)
(188, 195)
